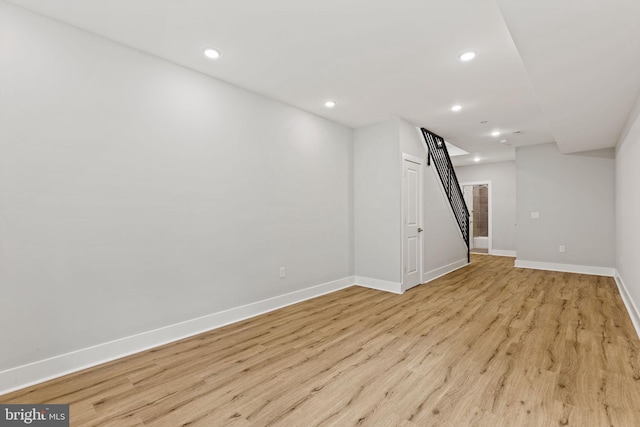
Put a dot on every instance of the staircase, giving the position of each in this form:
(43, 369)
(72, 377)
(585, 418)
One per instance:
(440, 156)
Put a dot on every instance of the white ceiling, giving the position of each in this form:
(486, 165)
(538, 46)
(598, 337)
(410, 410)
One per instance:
(583, 59)
(571, 75)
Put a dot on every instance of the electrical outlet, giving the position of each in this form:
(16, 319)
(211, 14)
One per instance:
(283, 272)
(561, 248)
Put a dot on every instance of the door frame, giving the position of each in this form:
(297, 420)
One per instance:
(490, 208)
(420, 162)
(471, 225)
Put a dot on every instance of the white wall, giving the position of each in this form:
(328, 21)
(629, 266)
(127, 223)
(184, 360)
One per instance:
(628, 208)
(136, 194)
(377, 185)
(574, 195)
(378, 153)
(443, 246)
(503, 198)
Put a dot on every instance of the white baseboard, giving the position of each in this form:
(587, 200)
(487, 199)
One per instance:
(567, 268)
(439, 272)
(503, 252)
(380, 285)
(632, 308)
(54, 367)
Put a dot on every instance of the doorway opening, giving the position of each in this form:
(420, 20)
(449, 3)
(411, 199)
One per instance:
(477, 196)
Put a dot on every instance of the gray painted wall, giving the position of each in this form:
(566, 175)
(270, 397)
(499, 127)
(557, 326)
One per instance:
(137, 194)
(503, 197)
(378, 153)
(574, 194)
(628, 205)
(377, 185)
(442, 240)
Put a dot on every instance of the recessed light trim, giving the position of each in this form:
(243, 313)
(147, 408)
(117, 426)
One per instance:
(467, 55)
(330, 104)
(211, 53)
(476, 159)
(504, 141)
(495, 133)
(456, 107)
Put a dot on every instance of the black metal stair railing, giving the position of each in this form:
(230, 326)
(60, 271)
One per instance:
(438, 153)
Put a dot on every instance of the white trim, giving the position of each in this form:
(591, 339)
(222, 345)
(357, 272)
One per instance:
(567, 268)
(377, 284)
(418, 161)
(439, 272)
(414, 159)
(503, 252)
(57, 366)
(490, 210)
(632, 308)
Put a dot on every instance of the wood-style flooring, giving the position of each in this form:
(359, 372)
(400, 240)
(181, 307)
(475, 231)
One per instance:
(479, 251)
(487, 345)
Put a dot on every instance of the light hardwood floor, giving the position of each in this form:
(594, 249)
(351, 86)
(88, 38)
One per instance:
(487, 345)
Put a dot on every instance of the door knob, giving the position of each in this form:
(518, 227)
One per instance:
(419, 229)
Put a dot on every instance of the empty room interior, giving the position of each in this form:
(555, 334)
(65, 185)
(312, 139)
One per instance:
(295, 213)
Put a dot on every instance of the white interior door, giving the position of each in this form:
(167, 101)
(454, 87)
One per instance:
(412, 223)
(468, 199)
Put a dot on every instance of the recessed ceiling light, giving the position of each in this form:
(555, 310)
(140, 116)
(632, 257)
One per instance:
(467, 56)
(476, 159)
(495, 133)
(330, 104)
(456, 107)
(504, 141)
(211, 53)
(484, 122)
